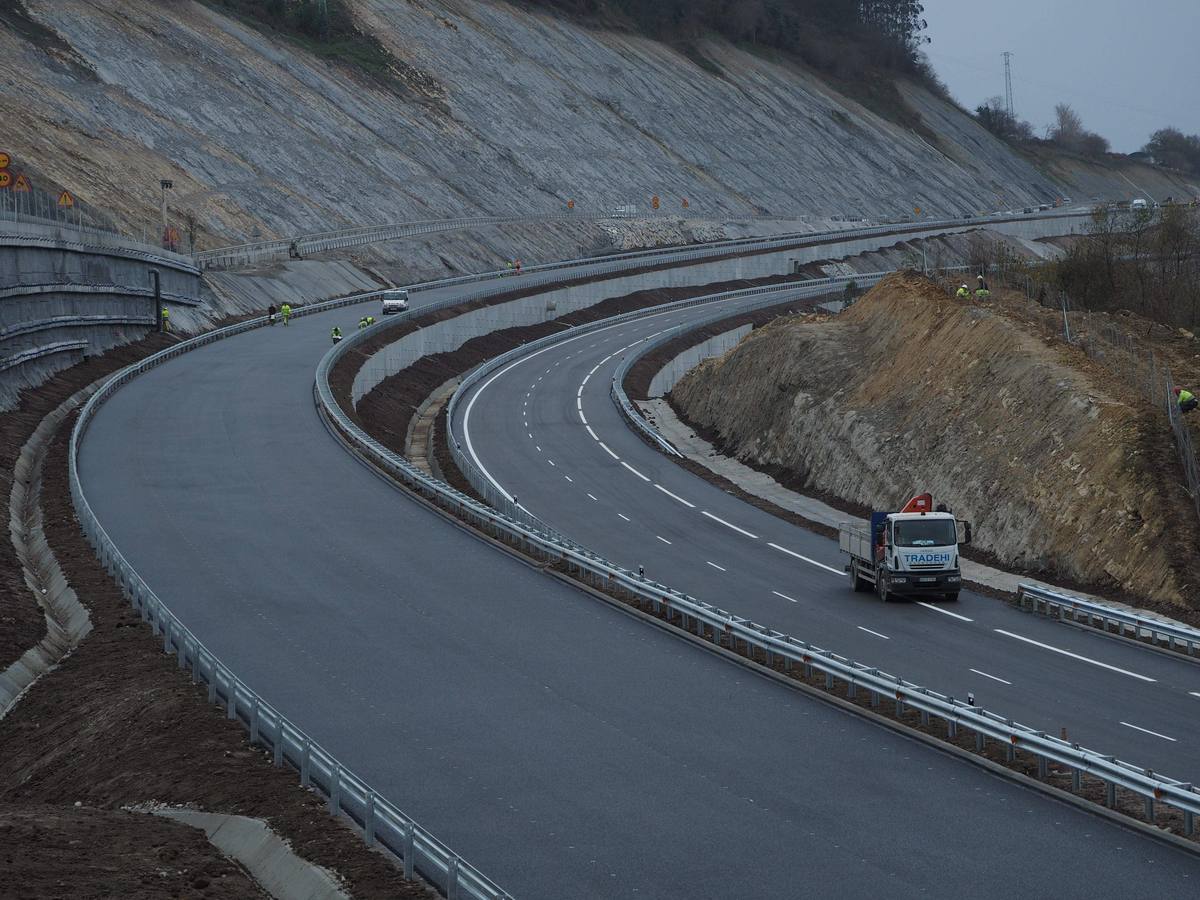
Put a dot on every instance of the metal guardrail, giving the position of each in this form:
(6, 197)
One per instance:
(34, 353)
(317, 242)
(380, 821)
(1126, 624)
(730, 630)
(245, 254)
(89, 240)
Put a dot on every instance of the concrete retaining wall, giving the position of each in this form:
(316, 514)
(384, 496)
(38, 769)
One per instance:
(717, 345)
(448, 335)
(65, 293)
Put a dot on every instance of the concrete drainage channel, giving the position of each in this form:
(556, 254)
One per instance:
(1095, 780)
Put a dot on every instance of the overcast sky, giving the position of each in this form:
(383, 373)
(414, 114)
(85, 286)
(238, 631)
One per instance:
(1126, 67)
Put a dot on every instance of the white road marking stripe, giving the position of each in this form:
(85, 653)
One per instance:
(551, 462)
(675, 497)
(597, 499)
(625, 517)
(944, 612)
(876, 633)
(1194, 693)
(784, 596)
(539, 449)
(663, 539)
(569, 478)
(582, 418)
(606, 450)
(530, 433)
(579, 393)
(993, 677)
(1165, 737)
(753, 537)
(806, 559)
(592, 433)
(634, 471)
(477, 394)
(579, 403)
(715, 566)
(1073, 655)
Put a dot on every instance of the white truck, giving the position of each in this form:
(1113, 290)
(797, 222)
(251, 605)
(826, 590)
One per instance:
(395, 300)
(910, 553)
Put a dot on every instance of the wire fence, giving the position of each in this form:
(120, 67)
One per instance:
(1117, 350)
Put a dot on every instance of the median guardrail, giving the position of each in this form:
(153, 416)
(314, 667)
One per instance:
(1109, 618)
(726, 629)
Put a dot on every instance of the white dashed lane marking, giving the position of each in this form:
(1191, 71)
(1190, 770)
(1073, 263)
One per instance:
(715, 566)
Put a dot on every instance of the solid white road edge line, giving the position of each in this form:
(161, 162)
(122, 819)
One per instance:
(806, 559)
(1085, 659)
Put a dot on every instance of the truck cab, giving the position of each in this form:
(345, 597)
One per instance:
(913, 552)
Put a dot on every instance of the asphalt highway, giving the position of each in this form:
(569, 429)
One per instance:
(546, 430)
(556, 743)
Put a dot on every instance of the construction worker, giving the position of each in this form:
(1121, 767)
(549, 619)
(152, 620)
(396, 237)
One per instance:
(1186, 399)
(286, 311)
(518, 267)
(981, 289)
(271, 314)
(336, 334)
(963, 293)
(166, 320)
(366, 322)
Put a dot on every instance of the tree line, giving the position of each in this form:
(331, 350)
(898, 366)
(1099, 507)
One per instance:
(883, 33)
(1147, 261)
(1066, 132)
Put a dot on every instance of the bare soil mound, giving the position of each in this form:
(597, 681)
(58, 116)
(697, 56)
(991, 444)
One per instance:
(1066, 470)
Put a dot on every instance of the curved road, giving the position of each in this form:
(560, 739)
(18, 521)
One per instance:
(546, 430)
(561, 746)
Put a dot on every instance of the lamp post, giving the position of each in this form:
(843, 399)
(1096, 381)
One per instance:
(165, 185)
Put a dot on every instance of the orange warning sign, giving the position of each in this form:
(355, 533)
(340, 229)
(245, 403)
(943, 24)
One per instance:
(570, 204)
(5, 178)
(654, 201)
(685, 203)
(5, 160)
(65, 199)
(21, 185)
(917, 210)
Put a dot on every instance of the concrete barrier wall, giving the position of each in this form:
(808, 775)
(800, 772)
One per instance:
(66, 293)
(443, 337)
(718, 345)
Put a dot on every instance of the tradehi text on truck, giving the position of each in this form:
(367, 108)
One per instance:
(909, 553)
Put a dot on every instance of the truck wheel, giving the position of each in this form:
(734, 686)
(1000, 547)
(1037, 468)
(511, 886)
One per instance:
(860, 583)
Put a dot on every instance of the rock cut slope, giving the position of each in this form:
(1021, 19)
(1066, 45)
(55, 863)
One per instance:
(494, 109)
(1062, 467)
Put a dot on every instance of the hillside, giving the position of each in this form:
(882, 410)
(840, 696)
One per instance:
(490, 108)
(1063, 468)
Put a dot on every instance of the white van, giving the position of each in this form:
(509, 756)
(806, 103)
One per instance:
(395, 300)
(1139, 204)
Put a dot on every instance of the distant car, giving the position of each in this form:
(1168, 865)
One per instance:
(1027, 210)
(395, 301)
(1044, 207)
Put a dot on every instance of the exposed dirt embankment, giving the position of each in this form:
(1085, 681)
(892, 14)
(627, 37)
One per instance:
(1063, 468)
